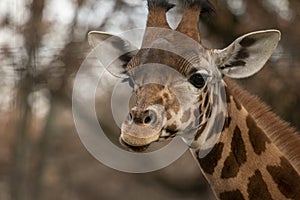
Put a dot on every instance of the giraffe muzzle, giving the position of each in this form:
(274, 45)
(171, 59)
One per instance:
(141, 128)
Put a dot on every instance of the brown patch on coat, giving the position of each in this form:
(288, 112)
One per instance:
(237, 156)
(169, 116)
(172, 127)
(232, 195)
(227, 123)
(286, 178)
(238, 147)
(170, 102)
(186, 116)
(230, 168)
(257, 137)
(257, 187)
(158, 101)
(210, 161)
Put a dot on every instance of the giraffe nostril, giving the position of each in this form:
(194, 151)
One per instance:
(129, 117)
(150, 117)
(142, 117)
(147, 119)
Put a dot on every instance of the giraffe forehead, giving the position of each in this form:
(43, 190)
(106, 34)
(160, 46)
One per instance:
(184, 63)
(155, 73)
(173, 49)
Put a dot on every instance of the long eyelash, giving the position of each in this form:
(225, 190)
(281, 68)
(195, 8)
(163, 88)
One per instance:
(125, 58)
(129, 80)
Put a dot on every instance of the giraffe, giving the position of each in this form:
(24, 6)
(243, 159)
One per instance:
(257, 155)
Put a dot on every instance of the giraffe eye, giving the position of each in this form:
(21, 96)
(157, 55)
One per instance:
(197, 80)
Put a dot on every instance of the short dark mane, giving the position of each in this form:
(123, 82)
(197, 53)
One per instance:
(280, 132)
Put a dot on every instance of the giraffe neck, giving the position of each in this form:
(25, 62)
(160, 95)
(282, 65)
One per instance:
(250, 161)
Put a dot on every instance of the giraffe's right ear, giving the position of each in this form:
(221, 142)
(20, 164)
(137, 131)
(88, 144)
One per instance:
(112, 51)
(247, 54)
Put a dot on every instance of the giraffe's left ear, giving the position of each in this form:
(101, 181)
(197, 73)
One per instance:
(247, 54)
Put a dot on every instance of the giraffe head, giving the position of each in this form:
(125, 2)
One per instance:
(174, 78)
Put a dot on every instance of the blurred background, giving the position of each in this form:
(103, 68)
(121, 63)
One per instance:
(42, 45)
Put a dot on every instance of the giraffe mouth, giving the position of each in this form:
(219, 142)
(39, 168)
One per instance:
(163, 135)
(133, 148)
(139, 137)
